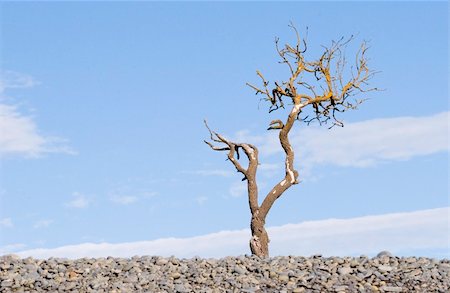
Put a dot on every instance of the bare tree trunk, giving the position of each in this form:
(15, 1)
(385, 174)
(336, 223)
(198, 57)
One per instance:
(324, 106)
(259, 243)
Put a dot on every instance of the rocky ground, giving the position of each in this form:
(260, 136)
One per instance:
(384, 273)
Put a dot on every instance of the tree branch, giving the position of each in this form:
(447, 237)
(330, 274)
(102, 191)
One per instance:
(328, 72)
(233, 149)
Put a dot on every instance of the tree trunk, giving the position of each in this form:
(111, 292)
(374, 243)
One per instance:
(259, 243)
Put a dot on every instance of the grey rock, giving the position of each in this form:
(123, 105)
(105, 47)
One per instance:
(391, 289)
(239, 270)
(161, 262)
(384, 253)
(176, 275)
(284, 278)
(6, 283)
(444, 267)
(5, 265)
(345, 270)
(230, 274)
(384, 268)
(341, 288)
(180, 288)
(249, 289)
(70, 286)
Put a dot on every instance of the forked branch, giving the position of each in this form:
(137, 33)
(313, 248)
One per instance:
(330, 95)
(320, 84)
(220, 143)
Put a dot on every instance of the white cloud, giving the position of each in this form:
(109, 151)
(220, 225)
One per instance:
(10, 248)
(6, 223)
(371, 142)
(269, 167)
(400, 233)
(148, 194)
(42, 224)
(124, 199)
(11, 79)
(270, 170)
(19, 132)
(238, 188)
(362, 144)
(201, 199)
(80, 201)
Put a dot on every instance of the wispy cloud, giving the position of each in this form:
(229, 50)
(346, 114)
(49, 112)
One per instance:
(42, 224)
(10, 248)
(362, 144)
(368, 143)
(80, 201)
(148, 194)
(20, 134)
(269, 169)
(124, 199)
(12, 79)
(6, 223)
(201, 199)
(131, 192)
(238, 188)
(400, 233)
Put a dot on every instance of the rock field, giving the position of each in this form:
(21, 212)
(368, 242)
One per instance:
(384, 273)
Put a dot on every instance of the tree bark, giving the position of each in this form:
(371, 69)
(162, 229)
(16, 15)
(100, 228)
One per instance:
(324, 106)
(259, 243)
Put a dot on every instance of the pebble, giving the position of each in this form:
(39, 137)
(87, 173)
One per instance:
(384, 253)
(392, 289)
(384, 273)
(344, 270)
(384, 268)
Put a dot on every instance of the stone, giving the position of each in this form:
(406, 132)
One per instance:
(384, 253)
(70, 286)
(284, 278)
(391, 289)
(231, 274)
(384, 268)
(415, 272)
(161, 262)
(5, 265)
(176, 275)
(6, 283)
(249, 289)
(344, 271)
(341, 288)
(240, 270)
(180, 288)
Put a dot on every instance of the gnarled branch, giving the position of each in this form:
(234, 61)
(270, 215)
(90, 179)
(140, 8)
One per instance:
(233, 156)
(328, 72)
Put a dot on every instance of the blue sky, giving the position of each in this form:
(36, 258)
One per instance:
(102, 108)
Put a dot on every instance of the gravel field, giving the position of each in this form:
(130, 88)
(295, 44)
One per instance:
(384, 273)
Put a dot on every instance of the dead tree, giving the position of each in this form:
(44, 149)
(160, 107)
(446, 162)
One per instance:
(318, 89)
